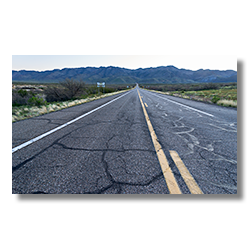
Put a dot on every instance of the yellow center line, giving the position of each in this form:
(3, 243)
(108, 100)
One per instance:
(167, 172)
(146, 104)
(188, 178)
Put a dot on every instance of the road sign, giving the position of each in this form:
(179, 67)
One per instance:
(101, 84)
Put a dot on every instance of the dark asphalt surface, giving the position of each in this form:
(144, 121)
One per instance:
(207, 145)
(111, 151)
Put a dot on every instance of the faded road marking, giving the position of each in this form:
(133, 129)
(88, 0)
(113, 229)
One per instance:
(188, 178)
(167, 172)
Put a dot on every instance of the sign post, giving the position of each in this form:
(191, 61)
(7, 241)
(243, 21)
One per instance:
(101, 84)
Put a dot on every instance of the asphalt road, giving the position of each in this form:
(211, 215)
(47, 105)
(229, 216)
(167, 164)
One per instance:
(111, 151)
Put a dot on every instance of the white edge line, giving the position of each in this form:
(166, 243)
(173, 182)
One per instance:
(197, 110)
(62, 126)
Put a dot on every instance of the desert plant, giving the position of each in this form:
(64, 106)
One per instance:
(227, 103)
(23, 92)
(20, 97)
(66, 90)
(215, 99)
(55, 94)
(36, 101)
(73, 88)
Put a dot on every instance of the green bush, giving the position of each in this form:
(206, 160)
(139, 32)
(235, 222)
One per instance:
(23, 92)
(36, 101)
(215, 99)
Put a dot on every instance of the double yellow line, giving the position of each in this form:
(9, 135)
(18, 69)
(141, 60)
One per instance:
(167, 172)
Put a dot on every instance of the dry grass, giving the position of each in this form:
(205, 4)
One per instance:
(227, 103)
(224, 97)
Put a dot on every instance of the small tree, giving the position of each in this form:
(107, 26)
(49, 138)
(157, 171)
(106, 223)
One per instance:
(67, 90)
(55, 94)
(73, 88)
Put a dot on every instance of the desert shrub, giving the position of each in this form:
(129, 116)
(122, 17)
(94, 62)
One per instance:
(215, 99)
(23, 92)
(190, 87)
(107, 90)
(20, 97)
(92, 90)
(55, 94)
(66, 90)
(73, 88)
(36, 101)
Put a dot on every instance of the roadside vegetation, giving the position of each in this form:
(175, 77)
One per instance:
(224, 94)
(29, 100)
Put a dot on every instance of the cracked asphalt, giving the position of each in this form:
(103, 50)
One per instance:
(110, 151)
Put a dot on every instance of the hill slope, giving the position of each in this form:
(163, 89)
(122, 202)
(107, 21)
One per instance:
(116, 75)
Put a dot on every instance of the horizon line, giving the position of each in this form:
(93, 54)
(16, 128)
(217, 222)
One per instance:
(115, 67)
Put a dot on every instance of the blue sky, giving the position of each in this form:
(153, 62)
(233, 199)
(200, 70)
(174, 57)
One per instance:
(49, 62)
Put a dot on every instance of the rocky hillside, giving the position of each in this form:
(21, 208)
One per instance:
(116, 75)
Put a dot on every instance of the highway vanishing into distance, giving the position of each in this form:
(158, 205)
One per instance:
(135, 142)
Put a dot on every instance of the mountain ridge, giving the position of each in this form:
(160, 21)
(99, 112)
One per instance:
(115, 75)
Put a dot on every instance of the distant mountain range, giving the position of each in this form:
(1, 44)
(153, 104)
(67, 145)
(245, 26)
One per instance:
(116, 75)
